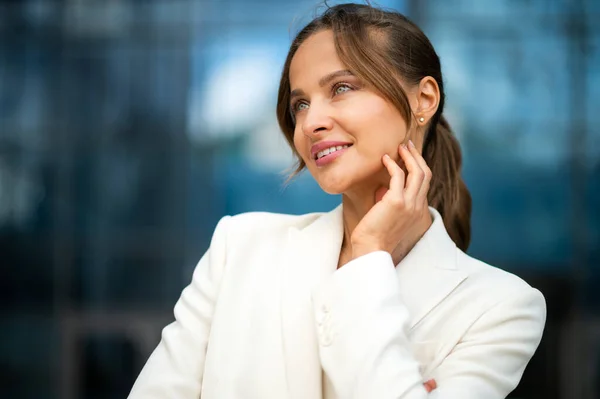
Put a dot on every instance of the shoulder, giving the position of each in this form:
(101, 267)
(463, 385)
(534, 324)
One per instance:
(254, 225)
(270, 220)
(497, 285)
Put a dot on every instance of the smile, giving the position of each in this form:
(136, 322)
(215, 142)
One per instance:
(330, 150)
(330, 154)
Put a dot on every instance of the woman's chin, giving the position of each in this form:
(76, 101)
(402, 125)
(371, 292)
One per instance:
(333, 188)
(340, 178)
(333, 192)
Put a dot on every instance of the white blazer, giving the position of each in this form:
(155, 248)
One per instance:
(269, 316)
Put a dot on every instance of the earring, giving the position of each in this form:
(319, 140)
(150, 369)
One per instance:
(421, 119)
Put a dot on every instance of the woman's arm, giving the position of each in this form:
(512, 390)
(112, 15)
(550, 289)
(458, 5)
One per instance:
(365, 351)
(175, 368)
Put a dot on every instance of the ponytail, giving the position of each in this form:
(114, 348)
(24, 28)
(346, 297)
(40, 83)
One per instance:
(448, 192)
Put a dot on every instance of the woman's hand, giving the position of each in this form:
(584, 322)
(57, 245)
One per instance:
(400, 215)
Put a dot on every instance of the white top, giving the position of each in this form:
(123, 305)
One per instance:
(328, 390)
(267, 312)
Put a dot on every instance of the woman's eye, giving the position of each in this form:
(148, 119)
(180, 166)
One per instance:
(342, 89)
(300, 106)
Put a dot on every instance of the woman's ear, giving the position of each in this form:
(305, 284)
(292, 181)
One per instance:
(428, 100)
(425, 100)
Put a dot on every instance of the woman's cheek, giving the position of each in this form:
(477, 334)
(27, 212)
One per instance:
(298, 147)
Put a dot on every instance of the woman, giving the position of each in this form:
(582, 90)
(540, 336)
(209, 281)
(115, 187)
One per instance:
(375, 299)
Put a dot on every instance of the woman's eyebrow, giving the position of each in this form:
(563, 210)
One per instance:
(323, 81)
(328, 78)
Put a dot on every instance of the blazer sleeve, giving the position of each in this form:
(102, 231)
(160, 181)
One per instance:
(364, 350)
(175, 368)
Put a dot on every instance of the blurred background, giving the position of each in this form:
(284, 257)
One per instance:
(128, 128)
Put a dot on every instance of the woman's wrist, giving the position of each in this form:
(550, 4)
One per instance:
(364, 249)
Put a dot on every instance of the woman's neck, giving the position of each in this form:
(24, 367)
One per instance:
(354, 209)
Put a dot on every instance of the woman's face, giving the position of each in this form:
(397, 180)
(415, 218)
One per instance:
(343, 128)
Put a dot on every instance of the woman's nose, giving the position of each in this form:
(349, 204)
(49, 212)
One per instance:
(317, 121)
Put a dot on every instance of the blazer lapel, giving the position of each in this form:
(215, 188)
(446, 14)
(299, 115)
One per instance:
(312, 254)
(429, 272)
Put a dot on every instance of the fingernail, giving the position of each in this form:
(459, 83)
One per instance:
(411, 143)
(404, 146)
(386, 156)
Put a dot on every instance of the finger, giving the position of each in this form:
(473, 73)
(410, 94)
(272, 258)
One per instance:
(425, 185)
(430, 385)
(415, 176)
(397, 178)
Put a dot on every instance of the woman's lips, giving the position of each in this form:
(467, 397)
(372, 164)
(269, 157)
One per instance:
(324, 145)
(332, 156)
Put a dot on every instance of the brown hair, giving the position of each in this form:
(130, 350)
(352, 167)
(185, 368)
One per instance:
(376, 44)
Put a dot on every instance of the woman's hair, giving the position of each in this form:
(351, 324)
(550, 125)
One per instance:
(383, 48)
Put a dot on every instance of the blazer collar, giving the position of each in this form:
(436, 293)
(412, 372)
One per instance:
(429, 272)
(425, 276)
